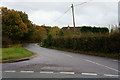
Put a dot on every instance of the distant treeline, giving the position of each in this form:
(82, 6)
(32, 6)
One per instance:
(89, 29)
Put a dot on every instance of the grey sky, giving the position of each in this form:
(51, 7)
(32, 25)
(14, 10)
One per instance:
(92, 13)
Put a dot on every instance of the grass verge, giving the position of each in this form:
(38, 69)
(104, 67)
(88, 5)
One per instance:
(108, 55)
(14, 52)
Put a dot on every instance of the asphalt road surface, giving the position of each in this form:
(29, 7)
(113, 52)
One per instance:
(57, 64)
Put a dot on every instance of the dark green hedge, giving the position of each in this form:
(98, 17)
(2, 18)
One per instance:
(86, 29)
(109, 44)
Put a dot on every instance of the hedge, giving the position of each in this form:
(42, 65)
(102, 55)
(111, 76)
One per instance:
(104, 44)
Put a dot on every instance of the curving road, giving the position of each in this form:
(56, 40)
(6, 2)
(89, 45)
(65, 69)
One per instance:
(50, 61)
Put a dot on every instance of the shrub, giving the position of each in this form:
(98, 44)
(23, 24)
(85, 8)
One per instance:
(105, 44)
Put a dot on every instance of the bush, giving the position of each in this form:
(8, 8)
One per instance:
(104, 44)
(89, 29)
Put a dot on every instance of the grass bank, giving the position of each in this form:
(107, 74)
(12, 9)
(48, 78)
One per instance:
(14, 52)
(108, 55)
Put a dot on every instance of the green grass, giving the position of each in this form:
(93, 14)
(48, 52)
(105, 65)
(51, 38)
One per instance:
(14, 53)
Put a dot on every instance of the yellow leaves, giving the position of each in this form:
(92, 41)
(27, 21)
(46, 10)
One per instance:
(38, 28)
(41, 30)
(16, 24)
(40, 33)
(23, 27)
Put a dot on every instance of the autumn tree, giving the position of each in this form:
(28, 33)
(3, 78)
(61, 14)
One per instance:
(16, 25)
(39, 34)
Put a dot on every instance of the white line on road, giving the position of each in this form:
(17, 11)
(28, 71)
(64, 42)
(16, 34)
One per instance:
(114, 60)
(67, 72)
(102, 65)
(69, 55)
(27, 71)
(46, 72)
(9, 71)
(111, 75)
(91, 74)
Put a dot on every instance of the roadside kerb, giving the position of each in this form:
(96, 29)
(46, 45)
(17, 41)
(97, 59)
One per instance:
(18, 60)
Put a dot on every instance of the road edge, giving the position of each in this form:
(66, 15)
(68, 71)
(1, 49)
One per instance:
(18, 60)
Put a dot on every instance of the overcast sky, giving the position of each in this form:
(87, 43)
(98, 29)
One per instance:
(93, 13)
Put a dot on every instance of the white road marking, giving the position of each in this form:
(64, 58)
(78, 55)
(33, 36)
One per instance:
(46, 72)
(102, 65)
(67, 72)
(26, 61)
(69, 55)
(92, 74)
(110, 75)
(9, 71)
(114, 60)
(27, 71)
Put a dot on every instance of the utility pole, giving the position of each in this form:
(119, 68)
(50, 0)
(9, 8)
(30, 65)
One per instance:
(73, 16)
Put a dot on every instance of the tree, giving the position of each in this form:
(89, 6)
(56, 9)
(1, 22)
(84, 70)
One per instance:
(54, 31)
(85, 29)
(16, 25)
(89, 29)
(39, 34)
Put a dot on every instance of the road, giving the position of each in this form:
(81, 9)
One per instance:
(56, 62)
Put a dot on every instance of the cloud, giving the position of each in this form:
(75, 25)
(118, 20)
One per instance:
(92, 13)
(43, 17)
(98, 13)
(58, 0)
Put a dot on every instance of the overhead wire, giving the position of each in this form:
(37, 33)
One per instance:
(82, 3)
(61, 15)
(67, 11)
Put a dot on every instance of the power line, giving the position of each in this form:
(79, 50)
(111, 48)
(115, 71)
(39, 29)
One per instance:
(67, 11)
(73, 12)
(82, 3)
(61, 15)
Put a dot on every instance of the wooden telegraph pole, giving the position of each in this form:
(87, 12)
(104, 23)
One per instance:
(73, 17)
